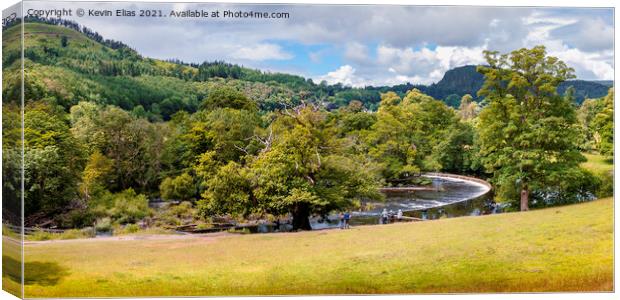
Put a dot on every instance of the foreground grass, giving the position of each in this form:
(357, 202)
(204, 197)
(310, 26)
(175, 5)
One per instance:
(559, 249)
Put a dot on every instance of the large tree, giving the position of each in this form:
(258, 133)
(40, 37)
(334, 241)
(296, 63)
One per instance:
(53, 160)
(409, 132)
(302, 170)
(528, 134)
(135, 145)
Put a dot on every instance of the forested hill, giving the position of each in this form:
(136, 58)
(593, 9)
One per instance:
(466, 80)
(67, 63)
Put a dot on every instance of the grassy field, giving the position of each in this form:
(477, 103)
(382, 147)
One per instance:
(558, 249)
(598, 163)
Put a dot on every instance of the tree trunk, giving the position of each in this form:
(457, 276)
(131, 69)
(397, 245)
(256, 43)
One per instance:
(525, 198)
(301, 214)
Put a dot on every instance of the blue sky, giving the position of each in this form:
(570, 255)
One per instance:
(365, 45)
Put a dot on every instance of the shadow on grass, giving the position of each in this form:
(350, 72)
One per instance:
(41, 273)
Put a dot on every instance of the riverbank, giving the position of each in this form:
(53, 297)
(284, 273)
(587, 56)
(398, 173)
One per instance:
(566, 248)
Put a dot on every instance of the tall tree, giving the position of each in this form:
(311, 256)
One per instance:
(528, 134)
(603, 124)
(53, 160)
(304, 170)
(406, 133)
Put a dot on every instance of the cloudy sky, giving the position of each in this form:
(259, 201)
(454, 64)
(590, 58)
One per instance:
(364, 45)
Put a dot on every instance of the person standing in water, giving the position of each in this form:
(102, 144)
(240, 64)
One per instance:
(399, 214)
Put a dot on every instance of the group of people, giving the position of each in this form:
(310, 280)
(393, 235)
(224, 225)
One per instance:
(386, 216)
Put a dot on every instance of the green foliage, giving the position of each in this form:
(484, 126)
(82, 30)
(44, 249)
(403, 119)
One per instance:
(104, 224)
(175, 215)
(251, 142)
(603, 125)
(127, 229)
(229, 191)
(225, 97)
(132, 144)
(127, 207)
(528, 134)
(96, 176)
(70, 234)
(605, 185)
(53, 160)
(453, 100)
(468, 109)
(303, 170)
(179, 188)
(417, 133)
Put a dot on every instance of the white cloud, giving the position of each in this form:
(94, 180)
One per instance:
(562, 35)
(261, 52)
(589, 65)
(356, 52)
(394, 65)
(344, 74)
(419, 42)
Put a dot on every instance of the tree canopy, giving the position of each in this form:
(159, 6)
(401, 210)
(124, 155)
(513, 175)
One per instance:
(528, 133)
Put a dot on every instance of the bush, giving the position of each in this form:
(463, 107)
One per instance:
(76, 219)
(131, 228)
(175, 215)
(76, 234)
(606, 186)
(178, 188)
(41, 235)
(128, 207)
(127, 229)
(135, 229)
(104, 224)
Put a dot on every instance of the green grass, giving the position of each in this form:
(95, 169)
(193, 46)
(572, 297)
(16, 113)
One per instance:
(566, 248)
(66, 235)
(598, 163)
(11, 266)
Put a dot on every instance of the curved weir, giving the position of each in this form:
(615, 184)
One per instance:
(448, 196)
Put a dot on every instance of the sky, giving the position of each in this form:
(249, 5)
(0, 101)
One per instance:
(362, 45)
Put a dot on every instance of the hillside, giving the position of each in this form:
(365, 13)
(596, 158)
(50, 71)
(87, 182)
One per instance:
(66, 66)
(567, 248)
(465, 80)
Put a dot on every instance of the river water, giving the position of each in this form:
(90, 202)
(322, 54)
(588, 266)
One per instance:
(448, 198)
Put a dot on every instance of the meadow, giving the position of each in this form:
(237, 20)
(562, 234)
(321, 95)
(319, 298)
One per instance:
(598, 163)
(567, 248)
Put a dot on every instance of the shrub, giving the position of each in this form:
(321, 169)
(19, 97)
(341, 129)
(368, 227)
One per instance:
(75, 234)
(175, 215)
(41, 235)
(606, 186)
(131, 228)
(104, 224)
(129, 207)
(178, 188)
(127, 229)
